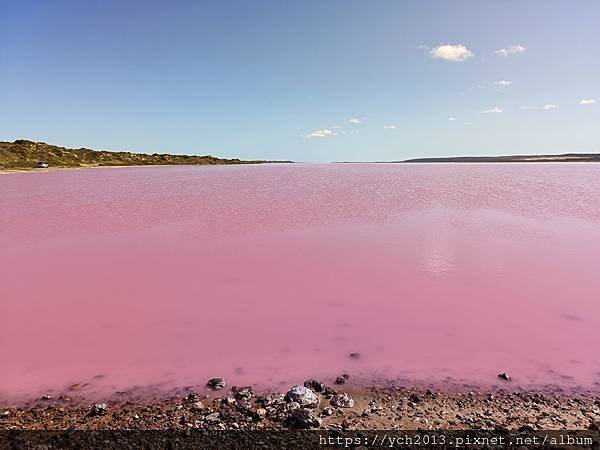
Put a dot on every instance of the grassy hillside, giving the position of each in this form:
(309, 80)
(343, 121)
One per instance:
(23, 154)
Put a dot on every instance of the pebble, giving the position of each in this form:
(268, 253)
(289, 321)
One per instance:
(302, 395)
(355, 355)
(47, 397)
(342, 401)
(216, 383)
(327, 411)
(244, 392)
(99, 409)
(213, 417)
(504, 376)
(198, 406)
(302, 419)
(192, 397)
(340, 380)
(415, 398)
(314, 385)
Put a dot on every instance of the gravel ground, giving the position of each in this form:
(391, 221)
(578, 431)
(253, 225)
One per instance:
(315, 406)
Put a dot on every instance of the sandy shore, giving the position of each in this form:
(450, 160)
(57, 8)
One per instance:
(60, 169)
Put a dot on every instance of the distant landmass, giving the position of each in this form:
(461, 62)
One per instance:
(24, 154)
(566, 157)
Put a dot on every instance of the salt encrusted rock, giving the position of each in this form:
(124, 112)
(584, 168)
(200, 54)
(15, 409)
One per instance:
(216, 383)
(99, 409)
(302, 419)
(302, 395)
(314, 385)
(47, 397)
(342, 401)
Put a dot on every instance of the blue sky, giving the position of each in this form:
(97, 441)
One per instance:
(303, 80)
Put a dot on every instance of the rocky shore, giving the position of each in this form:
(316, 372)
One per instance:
(314, 405)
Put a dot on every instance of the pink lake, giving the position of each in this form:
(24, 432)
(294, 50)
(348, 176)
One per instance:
(268, 275)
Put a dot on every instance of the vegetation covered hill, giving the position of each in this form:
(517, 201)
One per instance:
(23, 154)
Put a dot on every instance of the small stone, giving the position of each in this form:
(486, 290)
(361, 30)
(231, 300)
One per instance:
(216, 383)
(47, 397)
(342, 401)
(415, 398)
(354, 355)
(75, 387)
(244, 392)
(302, 419)
(230, 400)
(192, 397)
(272, 399)
(4, 414)
(504, 376)
(213, 417)
(99, 409)
(303, 395)
(327, 411)
(340, 380)
(315, 385)
(198, 406)
(260, 413)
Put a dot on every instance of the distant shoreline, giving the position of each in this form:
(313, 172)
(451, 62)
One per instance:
(567, 157)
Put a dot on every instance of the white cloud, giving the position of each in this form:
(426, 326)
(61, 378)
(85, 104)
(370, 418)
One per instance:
(587, 101)
(355, 120)
(451, 119)
(469, 123)
(512, 50)
(336, 127)
(448, 52)
(390, 127)
(549, 107)
(320, 133)
(529, 108)
(502, 83)
(494, 110)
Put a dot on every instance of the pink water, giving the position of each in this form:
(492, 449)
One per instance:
(267, 275)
